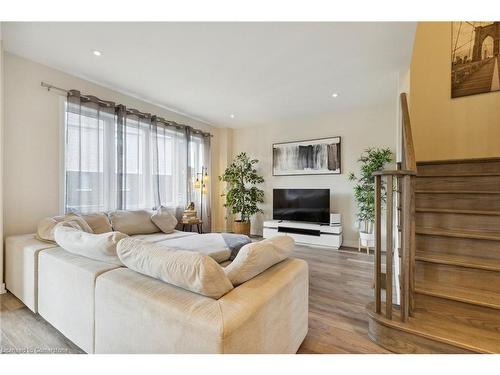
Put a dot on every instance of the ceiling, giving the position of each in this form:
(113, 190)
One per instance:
(259, 72)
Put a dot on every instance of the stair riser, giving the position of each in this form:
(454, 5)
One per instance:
(454, 221)
(459, 168)
(477, 317)
(459, 246)
(481, 183)
(480, 202)
(454, 276)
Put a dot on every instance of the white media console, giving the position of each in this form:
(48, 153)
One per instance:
(307, 233)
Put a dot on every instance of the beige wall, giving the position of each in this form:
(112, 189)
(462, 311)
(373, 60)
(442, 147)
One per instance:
(32, 140)
(359, 129)
(445, 128)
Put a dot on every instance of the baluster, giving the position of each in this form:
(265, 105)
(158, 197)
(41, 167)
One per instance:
(389, 250)
(412, 246)
(405, 248)
(378, 249)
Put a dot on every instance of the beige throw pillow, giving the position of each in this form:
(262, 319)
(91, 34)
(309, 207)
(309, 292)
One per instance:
(133, 222)
(186, 269)
(255, 258)
(46, 226)
(99, 222)
(100, 247)
(164, 220)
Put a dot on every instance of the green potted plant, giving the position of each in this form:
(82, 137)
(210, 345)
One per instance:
(372, 160)
(242, 196)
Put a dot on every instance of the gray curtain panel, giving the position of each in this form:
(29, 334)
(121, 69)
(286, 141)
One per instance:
(120, 158)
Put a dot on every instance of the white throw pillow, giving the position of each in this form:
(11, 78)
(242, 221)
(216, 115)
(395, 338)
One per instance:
(133, 222)
(99, 222)
(255, 258)
(46, 226)
(100, 247)
(186, 269)
(164, 220)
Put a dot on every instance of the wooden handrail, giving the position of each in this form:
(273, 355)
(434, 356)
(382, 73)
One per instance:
(395, 172)
(409, 161)
(405, 196)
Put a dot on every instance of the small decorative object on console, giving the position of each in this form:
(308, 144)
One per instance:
(190, 214)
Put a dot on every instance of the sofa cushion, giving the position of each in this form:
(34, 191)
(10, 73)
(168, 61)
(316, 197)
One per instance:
(160, 236)
(186, 269)
(101, 247)
(255, 258)
(133, 222)
(164, 220)
(21, 267)
(46, 226)
(67, 294)
(99, 222)
(138, 314)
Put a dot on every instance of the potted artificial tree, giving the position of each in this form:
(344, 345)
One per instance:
(372, 160)
(242, 196)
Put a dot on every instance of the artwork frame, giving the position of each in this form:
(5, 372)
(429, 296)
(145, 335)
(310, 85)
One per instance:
(316, 156)
(474, 58)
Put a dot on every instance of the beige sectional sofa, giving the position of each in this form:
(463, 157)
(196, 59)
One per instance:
(106, 308)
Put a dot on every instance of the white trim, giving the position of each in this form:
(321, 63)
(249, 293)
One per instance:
(2, 288)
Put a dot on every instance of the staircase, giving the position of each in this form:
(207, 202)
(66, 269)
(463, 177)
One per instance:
(446, 257)
(456, 296)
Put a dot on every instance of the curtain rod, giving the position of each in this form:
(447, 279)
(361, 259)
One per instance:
(49, 87)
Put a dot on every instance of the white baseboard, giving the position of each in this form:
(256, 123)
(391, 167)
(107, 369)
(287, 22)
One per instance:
(350, 243)
(2, 288)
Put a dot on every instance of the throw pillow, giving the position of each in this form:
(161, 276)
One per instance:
(46, 226)
(186, 269)
(99, 222)
(164, 220)
(255, 258)
(133, 222)
(100, 247)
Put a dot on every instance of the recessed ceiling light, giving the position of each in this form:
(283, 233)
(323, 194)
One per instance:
(97, 53)
(335, 95)
(231, 115)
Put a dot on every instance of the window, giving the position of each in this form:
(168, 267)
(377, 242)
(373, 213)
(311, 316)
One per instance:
(138, 166)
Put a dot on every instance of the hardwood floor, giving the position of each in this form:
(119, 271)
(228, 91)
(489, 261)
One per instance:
(340, 289)
(22, 331)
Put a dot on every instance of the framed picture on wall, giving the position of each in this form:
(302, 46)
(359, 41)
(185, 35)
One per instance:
(475, 58)
(311, 157)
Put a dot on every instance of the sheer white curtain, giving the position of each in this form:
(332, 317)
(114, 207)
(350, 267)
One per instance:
(198, 163)
(88, 159)
(117, 158)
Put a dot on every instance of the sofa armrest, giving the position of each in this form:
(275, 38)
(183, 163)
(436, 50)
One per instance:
(269, 313)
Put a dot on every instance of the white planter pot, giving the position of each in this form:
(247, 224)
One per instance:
(367, 239)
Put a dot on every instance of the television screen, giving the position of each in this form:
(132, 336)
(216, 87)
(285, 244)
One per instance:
(311, 205)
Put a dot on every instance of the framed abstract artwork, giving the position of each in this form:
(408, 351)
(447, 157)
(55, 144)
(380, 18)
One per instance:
(311, 157)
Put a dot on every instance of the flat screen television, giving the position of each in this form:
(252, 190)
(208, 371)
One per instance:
(310, 205)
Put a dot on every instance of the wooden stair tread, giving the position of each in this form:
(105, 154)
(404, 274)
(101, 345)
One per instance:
(458, 260)
(459, 233)
(457, 192)
(458, 293)
(455, 211)
(472, 328)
